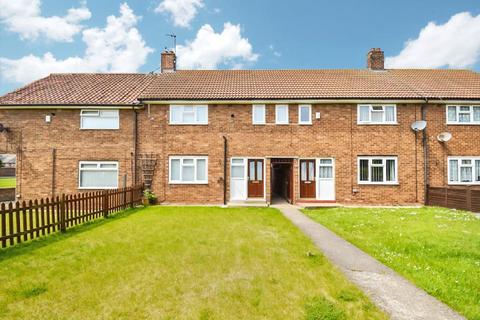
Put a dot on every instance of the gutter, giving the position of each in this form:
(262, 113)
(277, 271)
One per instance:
(135, 140)
(66, 106)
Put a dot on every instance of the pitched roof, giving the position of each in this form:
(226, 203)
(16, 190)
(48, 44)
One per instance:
(80, 88)
(124, 89)
(314, 84)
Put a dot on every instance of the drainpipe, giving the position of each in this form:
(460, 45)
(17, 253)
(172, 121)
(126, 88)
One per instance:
(54, 164)
(135, 138)
(225, 145)
(425, 153)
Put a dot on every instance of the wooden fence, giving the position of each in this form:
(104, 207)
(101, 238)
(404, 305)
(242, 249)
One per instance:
(24, 221)
(464, 198)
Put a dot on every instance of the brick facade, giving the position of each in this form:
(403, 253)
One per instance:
(335, 135)
(39, 145)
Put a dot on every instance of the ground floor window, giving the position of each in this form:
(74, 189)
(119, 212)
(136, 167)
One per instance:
(464, 170)
(98, 175)
(188, 170)
(377, 170)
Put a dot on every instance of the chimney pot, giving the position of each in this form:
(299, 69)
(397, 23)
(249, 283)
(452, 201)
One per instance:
(168, 61)
(375, 59)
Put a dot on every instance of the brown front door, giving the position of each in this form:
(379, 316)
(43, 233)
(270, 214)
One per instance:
(255, 178)
(307, 179)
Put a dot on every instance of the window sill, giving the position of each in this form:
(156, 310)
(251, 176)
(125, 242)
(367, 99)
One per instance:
(282, 124)
(188, 124)
(377, 124)
(97, 188)
(187, 183)
(379, 183)
(463, 124)
(464, 184)
(305, 123)
(102, 129)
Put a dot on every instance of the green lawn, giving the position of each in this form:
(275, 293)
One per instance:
(8, 182)
(178, 263)
(438, 249)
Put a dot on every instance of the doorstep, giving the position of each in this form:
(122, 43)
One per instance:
(248, 203)
(313, 203)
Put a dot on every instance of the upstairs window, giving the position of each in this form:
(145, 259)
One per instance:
(189, 114)
(377, 170)
(258, 114)
(98, 175)
(281, 114)
(377, 114)
(464, 170)
(305, 114)
(463, 114)
(188, 170)
(99, 119)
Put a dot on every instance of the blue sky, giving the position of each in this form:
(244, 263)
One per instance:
(231, 34)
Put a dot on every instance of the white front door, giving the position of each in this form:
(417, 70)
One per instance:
(326, 179)
(238, 179)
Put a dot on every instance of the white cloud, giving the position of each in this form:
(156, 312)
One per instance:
(275, 52)
(118, 47)
(210, 50)
(24, 17)
(455, 44)
(182, 11)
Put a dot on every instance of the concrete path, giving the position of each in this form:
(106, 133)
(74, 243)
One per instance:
(388, 290)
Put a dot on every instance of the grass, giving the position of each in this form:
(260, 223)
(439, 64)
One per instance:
(178, 263)
(437, 249)
(8, 182)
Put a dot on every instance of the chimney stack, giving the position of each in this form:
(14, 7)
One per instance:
(169, 61)
(375, 59)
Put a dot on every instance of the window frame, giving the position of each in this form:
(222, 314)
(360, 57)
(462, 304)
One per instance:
(459, 166)
(254, 106)
(384, 164)
(98, 113)
(370, 110)
(309, 106)
(182, 158)
(98, 163)
(277, 107)
(195, 112)
(457, 115)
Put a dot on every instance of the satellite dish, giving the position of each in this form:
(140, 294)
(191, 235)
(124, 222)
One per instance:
(444, 136)
(419, 125)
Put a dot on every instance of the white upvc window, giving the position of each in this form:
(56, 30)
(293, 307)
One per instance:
(281, 114)
(258, 114)
(463, 114)
(463, 170)
(377, 170)
(189, 114)
(304, 114)
(188, 170)
(99, 119)
(98, 175)
(376, 114)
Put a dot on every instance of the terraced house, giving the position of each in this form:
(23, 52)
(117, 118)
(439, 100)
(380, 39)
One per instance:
(214, 136)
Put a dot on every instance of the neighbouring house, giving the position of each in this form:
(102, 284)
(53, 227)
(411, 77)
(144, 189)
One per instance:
(209, 136)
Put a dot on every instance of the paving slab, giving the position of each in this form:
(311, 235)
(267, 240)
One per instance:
(391, 292)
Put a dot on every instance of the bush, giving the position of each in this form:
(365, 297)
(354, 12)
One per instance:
(150, 196)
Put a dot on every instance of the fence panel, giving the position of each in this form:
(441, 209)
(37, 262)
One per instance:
(463, 198)
(25, 221)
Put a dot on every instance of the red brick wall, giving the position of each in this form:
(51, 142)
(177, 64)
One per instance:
(33, 140)
(335, 135)
(465, 142)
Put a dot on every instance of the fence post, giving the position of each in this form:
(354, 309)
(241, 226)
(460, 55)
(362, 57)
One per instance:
(105, 204)
(131, 197)
(62, 214)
